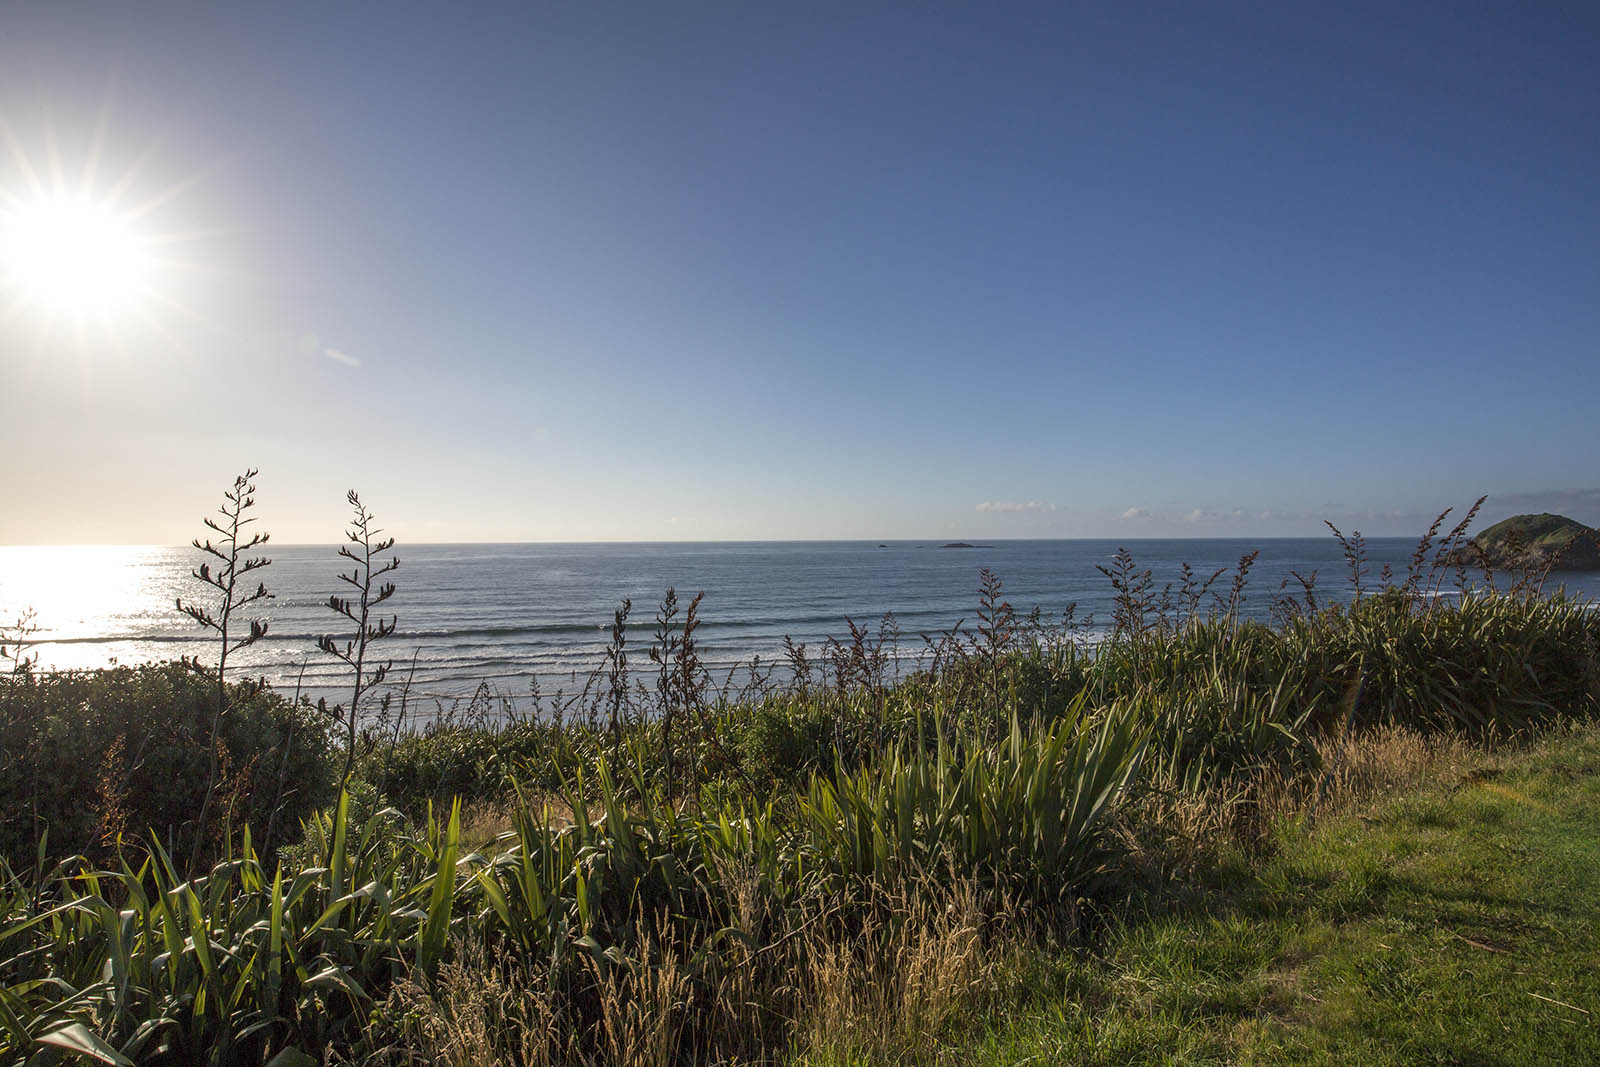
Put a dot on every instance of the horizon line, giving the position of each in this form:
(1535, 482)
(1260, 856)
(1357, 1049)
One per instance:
(925, 542)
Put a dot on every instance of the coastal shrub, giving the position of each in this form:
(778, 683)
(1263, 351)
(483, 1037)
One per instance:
(1221, 729)
(1227, 696)
(768, 745)
(472, 763)
(127, 750)
(240, 965)
(1047, 676)
(781, 741)
(1020, 815)
(1485, 663)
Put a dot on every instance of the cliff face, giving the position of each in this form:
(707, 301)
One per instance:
(1537, 541)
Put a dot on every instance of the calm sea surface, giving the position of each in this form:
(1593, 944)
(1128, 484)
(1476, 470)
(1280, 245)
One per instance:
(504, 614)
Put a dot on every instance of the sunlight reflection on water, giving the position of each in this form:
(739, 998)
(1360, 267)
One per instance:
(507, 613)
(83, 591)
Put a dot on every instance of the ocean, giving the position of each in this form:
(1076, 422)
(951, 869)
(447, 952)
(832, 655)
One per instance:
(502, 615)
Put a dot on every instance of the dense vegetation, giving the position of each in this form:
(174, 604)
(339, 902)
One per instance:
(665, 872)
(1537, 540)
(94, 755)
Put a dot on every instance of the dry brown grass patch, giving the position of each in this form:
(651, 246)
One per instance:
(889, 992)
(477, 1014)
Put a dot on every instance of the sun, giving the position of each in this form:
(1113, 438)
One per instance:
(100, 258)
(71, 255)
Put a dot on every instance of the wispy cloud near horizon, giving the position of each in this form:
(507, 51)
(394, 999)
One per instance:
(1216, 515)
(1013, 507)
(339, 356)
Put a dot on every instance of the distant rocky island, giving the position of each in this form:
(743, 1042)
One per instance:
(1535, 542)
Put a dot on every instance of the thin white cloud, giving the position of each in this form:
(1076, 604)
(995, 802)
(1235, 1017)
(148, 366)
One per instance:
(1204, 515)
(1013, 507)
(341, 357)
(1136, 513)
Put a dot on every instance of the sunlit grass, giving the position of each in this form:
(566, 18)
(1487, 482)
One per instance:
(1454, 924)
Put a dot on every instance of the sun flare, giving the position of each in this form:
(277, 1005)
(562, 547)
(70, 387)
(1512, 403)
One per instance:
(72, 255)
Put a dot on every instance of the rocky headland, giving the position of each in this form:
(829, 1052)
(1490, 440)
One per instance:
(1534, 542)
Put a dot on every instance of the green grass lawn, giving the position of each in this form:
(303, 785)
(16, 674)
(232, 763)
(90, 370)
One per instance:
(1458, 924)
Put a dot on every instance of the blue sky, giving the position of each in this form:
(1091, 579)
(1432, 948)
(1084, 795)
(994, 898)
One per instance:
(685, 271)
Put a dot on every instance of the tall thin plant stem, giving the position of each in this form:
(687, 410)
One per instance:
(232, 593)
(366, 544)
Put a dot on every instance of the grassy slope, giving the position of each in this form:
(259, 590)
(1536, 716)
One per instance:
(1536, 531)
(1544, 536)
(1459, 924)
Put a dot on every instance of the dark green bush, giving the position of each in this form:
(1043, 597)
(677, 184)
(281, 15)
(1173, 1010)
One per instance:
(781, 741)
(91, 754)
(468, 762)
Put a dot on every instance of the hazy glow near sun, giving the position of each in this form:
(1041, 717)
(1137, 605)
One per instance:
(72, 255)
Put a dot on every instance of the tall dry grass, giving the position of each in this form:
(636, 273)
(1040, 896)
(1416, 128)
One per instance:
(890, 992)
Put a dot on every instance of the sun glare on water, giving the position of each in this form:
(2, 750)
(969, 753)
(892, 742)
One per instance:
(72, 256)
